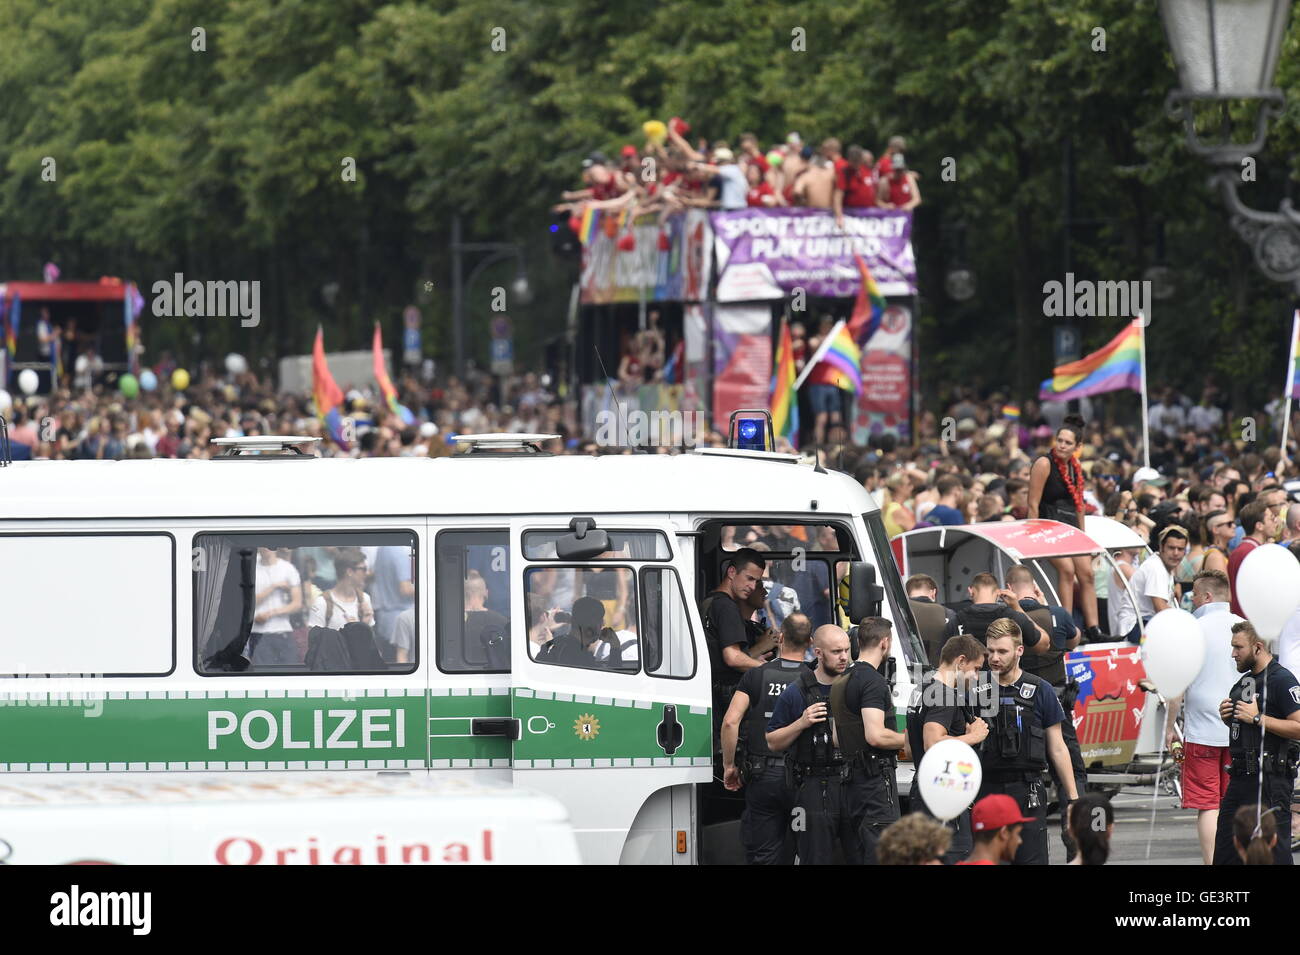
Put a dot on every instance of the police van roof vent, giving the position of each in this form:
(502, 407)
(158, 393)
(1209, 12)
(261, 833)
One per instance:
(504, 443)
(265, 446)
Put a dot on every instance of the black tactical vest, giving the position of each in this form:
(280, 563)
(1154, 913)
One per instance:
(775, 677)
(976, 618)
(848, 720)
(1050, 664)
(814, 748)
(1017, 740)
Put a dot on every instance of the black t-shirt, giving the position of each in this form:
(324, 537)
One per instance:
(867, 688)
(936, 702)
(975, 620)
(724, 626)
(1283, 692)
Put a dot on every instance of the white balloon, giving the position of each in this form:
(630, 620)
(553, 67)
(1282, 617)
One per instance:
(6, 400)
(81, 364)
(949, 777)
(1268, 588)
(1173, 651)
(28, 381)
(236, 364)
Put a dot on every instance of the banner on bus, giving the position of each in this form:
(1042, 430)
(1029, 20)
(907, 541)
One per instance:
(768, 253)
(884, 406)
(668, 262)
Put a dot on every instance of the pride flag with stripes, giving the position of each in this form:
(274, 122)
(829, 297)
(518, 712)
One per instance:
(1116, 366)
(784, 401)
(386, 383)
(839, 360)
(588, 224)
(868, 308)
(1293, 366)
(11, 323)
(326, 393)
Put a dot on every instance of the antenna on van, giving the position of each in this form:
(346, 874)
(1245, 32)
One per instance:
(6, 454)
(618, 408)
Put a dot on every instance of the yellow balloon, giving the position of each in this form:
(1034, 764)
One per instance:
(654, 130)
(180, 379)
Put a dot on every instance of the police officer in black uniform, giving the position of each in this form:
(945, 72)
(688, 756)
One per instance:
(1263, 703)
(862, 708)
(945, 707)
(723, 613)
(935, 622)
(1047, 660)
(769, 797)
(1026, 732)
(988, 603)
(801, 724)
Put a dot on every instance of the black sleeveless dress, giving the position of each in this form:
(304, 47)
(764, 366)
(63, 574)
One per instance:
(1057, 504)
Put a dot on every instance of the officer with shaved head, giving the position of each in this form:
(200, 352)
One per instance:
(801, 726)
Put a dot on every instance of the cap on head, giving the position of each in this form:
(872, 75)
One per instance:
(994, 812)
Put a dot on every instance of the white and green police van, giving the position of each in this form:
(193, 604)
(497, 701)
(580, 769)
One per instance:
(164, 616)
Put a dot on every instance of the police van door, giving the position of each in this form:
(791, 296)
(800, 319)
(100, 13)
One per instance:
(609, 682)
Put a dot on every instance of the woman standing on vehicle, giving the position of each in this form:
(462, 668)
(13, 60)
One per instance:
(1056, 493)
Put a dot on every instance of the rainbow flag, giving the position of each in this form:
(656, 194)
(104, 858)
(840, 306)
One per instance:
(11, 324)
(1118, 365)
(386, 383)
(868, 308)
(1011, 411)
(783, 400)
(326, 393)
(1293, 366)
(129, 312)
(588, 225)
(840, 360)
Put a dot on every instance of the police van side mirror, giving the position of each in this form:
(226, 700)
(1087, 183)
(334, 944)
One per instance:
(584, 543)
(865, 595)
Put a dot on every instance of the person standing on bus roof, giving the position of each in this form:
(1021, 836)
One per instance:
(278, 594)
(1056, 493)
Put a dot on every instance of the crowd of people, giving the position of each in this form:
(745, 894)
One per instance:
(670, 174)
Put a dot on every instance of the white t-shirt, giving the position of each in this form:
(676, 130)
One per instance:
(1288, 644)
(1151, 580)
(1201, 723)
(345, 612)
(1119, 606)
(273, 575)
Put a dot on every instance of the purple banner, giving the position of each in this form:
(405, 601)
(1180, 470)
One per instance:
(767, 253)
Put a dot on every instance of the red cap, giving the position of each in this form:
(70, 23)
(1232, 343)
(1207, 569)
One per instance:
(994, 812)
(629, 150)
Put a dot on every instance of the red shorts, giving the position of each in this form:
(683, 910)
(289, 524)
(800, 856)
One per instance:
(1205, 775)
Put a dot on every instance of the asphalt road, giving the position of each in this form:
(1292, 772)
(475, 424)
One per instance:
(1172, 841)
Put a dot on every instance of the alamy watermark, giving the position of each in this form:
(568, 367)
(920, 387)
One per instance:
(1088, 299)
(195, 299)
(651, 429)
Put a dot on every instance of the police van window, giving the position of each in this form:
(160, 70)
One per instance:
(887, 575)
(802, 584)
(665, 626)
(623, 545)
(306, 603)
(821, 538)
(472, 583)
(583, 617)
(87, 605)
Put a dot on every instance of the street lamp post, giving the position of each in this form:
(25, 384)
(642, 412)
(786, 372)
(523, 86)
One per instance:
(1227, 50)
(498, 252)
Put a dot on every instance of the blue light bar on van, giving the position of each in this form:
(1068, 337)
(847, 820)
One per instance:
(751, 430)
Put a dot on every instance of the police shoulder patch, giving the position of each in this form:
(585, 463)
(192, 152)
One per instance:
(1027, 690)
(1295, 693)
